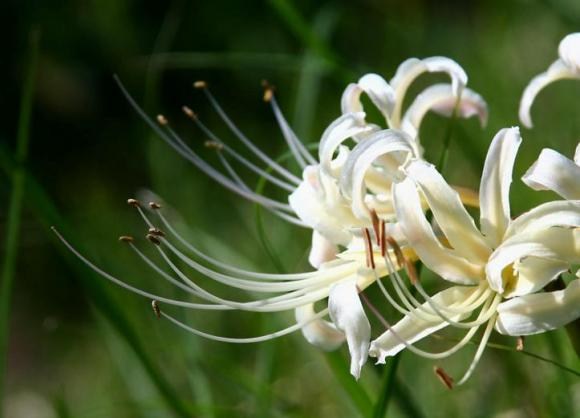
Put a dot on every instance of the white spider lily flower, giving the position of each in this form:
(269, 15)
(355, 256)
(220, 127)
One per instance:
(496, 269)
(567, 66)
(553, 171)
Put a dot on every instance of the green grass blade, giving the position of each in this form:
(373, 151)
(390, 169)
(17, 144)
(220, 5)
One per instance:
(387, 388)
(15, 205)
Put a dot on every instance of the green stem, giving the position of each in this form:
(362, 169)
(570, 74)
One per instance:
(15, 205)
(387, 389)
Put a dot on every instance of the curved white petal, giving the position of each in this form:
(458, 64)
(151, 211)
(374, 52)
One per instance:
(557, 244)
(343, 128)
(443, 261)
(390, 142)
(534, 273)
(533, 314)
(322, 250)
(441, 99)
(378, 90)
(564, 213)
(412, 68)
(495, 184)
(553, 171)
(319, 207)
(559, 70)
(450, 214)
(318, 332)
(577, 155)
(569, 51)
(348, 315)
(411, 329)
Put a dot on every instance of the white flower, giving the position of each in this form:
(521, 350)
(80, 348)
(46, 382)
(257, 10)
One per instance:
(497, 269)
(566, 67)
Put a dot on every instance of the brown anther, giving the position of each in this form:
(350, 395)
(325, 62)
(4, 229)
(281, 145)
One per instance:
(520, 344)
(156, 308)
(398, 253)
(133, 202)
(200, 84)
(157, 232)
(369, 249)
(188, 112)
(154, 205)
(268, 94)
(214, 145)
(162, 120)
(126, 238)
(153, 239)
(376, 226)
(383, 243)
(443, 377)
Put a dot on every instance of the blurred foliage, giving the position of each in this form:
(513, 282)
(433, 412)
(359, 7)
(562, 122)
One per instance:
(80, 347)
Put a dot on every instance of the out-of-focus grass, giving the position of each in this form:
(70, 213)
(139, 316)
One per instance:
(91, 153)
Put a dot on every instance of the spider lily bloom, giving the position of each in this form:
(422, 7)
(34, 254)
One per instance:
(340, 281)
(567, 66)
(553, 171)
(497, 271)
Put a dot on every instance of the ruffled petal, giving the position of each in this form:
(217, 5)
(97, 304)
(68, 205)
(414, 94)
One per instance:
(553, 171)
(348, 315)
(443, 261)
(320, 333)
(322, 250)
(412, 68)
(556, 244)
(559, 70)
(495, 184)
(569, 51)
(343, 128)
(563, 213)
(450, 214)
(378, 90)
(395, 144)
(533, 314)
(534, 273)
(411, 329)
(441, 99)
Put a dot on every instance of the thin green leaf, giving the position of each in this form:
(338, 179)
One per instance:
(15, 207)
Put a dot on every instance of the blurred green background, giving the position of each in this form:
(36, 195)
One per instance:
(81, 347)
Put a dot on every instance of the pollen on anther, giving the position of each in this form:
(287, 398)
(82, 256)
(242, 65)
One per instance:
(126, 238)
(162, 120)
(154, 205)
(188, 112)
(157, 232)
(443, 377)
(213, 145)
(133, 202)
(156, 308)
(520, 344)
(153, 238)
(200, 84)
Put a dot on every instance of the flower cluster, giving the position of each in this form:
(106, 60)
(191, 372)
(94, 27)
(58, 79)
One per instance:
(375, 207)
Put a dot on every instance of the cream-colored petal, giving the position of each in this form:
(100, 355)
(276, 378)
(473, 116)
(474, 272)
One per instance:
(410, 329)
(557, 244)
(387, 142)
(540, 312)
(495, 184)
(322, 250)
(534, 273)
(443, 261)
(348, 315)
(343, 128)
(320, 333)
(457, 225)
(564, 213)
(441, 99)
(569, 51)
(412, 68)
(378, 90)
(553, 171)
(577, 155)
(559, 70)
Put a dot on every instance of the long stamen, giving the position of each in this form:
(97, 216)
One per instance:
(301, 154)
(480, 349)
(238, 133)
